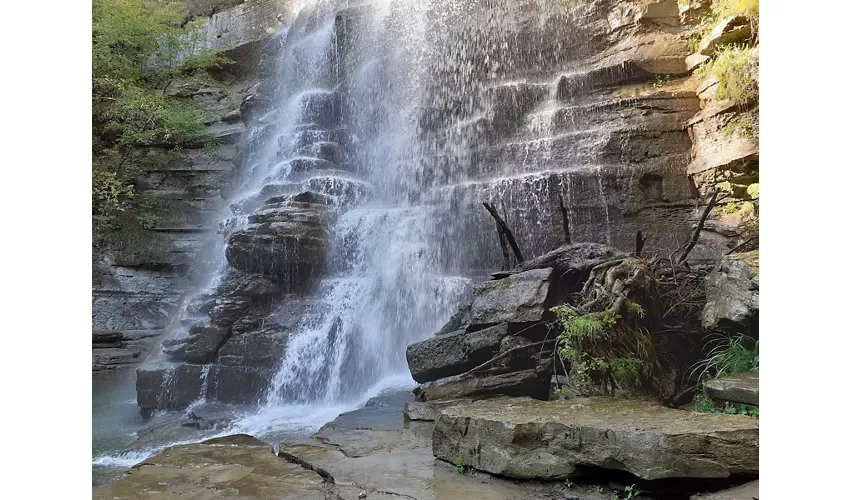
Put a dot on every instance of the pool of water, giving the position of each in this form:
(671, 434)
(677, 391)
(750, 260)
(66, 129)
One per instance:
(121, 438)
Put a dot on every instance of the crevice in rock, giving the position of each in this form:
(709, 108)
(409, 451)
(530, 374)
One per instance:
(293, 459)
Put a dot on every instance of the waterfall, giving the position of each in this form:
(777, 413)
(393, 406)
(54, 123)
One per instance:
(356, 227)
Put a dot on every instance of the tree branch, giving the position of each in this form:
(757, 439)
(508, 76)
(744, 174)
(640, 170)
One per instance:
(695, 236)
(508, 234)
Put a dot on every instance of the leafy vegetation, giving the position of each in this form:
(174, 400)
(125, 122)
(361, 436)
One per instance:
(604, 350)
(737, 71)
(728, 356)
(138, 48)
(660, 80)
(726, 8)
(459, 466)
(704, 404)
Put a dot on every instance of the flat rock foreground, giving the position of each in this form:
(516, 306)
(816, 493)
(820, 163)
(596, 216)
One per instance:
(612, 447)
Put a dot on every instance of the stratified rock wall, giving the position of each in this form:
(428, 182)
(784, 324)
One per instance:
(135, 293)
(524, 104)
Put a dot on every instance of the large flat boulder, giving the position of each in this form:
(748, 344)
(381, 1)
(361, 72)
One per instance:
(232, 467)
(740, 388)
(529, 439)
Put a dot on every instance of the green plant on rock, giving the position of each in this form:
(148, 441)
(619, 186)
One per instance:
(736, 68)
(460, 466)
(600, 338)
(661, 80)
(704, 404)
(629, 491)
(728, 356)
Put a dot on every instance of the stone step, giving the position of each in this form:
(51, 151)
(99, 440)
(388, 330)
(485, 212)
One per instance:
(749, 491)
(528, 439)
(740, 388)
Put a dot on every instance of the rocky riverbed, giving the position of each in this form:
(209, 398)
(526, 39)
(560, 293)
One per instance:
(375, 452)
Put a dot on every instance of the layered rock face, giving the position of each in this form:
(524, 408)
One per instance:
(527, 105)
(566, 105)
(136, 291)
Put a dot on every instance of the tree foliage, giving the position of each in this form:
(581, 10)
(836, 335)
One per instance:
(138, 48)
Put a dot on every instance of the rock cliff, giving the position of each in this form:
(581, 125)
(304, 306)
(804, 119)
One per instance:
(137, 287)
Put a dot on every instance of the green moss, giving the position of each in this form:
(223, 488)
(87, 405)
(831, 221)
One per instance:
(737, 73)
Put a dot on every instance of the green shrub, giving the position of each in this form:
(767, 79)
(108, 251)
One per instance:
(726, 8)
(603, 350)
(737, 71)
(130, 40)
(728, 356)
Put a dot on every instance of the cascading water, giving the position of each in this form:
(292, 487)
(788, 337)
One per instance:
(378, 130)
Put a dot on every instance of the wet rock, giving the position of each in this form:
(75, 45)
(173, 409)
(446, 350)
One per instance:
(283, 242)
(519, 298)
(430, 410)
(732, 293)
(531, 382)
(107, 358)
(740, 388)
(453, 353)
(254, 285)
(749, 491)
(202, 346)
(260, 348)
(232, 467)
(734, 29)
(227, 310)
(168, 386)
(211, 416)
(240, 385)
(106, 337)
(529, 439)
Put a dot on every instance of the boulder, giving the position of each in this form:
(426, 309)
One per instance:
(732, 293)
(284, 242)
(231, 467)
(530, 382)
(453, 353)
(740, 388)
(518, 298)
(528, 439)
(211, 416)
(733, 29)
(261, 348)
(241, 385)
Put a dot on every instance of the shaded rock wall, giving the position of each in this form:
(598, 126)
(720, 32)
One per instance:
(136, 292)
